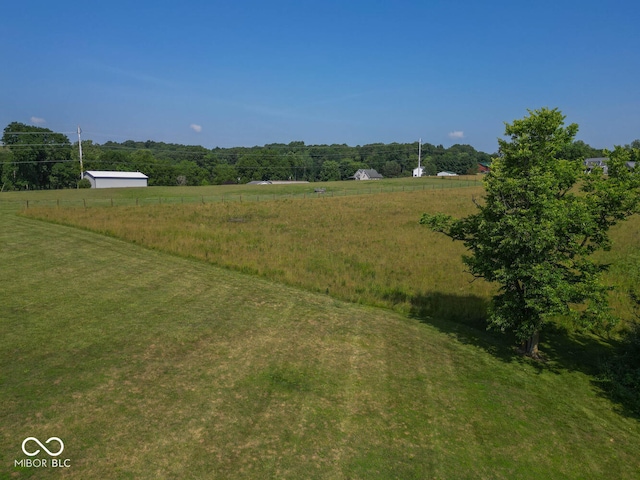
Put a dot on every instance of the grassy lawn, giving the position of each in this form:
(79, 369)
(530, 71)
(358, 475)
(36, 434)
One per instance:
(154, 365)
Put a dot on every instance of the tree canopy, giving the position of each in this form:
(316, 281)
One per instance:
(35, 153)
(541, 220)
(34, 157)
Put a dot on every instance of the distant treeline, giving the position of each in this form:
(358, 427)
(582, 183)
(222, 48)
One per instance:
(38, 158)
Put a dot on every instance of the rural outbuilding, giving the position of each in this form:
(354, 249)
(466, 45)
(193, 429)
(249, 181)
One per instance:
(109, 179)
(484, 167)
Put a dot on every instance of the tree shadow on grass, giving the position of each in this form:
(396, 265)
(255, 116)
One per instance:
(599, 357)
(463, 317)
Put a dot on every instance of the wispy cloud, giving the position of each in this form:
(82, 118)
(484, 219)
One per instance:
(456, 134)
(38, 120)
(132, 75)
(195, 127)
(346, 97)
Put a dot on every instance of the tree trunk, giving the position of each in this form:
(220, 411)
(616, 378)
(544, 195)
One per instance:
(530, 346)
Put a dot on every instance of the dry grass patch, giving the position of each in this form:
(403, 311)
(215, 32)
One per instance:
(367, 249)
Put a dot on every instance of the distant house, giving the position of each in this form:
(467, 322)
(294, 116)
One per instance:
(447, 174)
(484, 167)
(369, 174)
(109, 179)
(418, 172)
(600, 162)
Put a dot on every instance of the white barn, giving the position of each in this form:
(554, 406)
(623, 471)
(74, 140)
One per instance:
(110, 179)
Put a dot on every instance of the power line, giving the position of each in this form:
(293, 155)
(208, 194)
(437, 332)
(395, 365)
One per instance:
(14, 145)
(37, 162)
(259, 167)
(38, 133)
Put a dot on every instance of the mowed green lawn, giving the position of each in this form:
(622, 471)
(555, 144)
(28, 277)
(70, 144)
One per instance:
(148, 365)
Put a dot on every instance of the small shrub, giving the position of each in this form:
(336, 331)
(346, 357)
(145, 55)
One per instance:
(84, 183)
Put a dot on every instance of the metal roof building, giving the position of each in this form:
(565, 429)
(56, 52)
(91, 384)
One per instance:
(110, 179)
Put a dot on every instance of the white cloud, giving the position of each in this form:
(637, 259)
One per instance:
(195, 128)
(38, 120)
(456, 134)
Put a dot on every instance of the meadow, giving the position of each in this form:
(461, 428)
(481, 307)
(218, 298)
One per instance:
(151, 361)
(363, 247)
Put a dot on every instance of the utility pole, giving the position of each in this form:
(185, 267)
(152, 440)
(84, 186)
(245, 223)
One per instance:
(419, 155)
(80, 151)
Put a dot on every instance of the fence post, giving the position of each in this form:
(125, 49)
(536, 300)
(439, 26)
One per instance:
(27, 203)
(85, 202)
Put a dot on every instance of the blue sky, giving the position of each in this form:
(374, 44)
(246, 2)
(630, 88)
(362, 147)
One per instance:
(247, 73)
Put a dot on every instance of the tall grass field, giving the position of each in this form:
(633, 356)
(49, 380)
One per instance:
(121, 335)
(366, 247)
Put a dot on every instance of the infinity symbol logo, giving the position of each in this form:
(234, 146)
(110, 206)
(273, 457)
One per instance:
(42, 446)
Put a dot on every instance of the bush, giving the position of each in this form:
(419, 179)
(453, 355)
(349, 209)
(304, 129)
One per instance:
(84, 183)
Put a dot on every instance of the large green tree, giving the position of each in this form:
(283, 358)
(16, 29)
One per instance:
(541, 220)
(330, 171)
(6, 169)
(35, 152)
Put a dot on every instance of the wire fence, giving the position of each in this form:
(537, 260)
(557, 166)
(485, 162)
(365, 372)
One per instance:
(99, 199)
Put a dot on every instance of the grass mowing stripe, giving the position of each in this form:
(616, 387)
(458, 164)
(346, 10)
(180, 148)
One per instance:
(153, 366)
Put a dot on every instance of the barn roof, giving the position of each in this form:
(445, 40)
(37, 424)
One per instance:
(112, 174)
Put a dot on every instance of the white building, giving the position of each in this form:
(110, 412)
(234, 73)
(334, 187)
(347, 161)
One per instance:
(447, 174)
(109, 179)
(418, 172)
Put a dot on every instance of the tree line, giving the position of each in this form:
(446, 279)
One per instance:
(37, 158)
